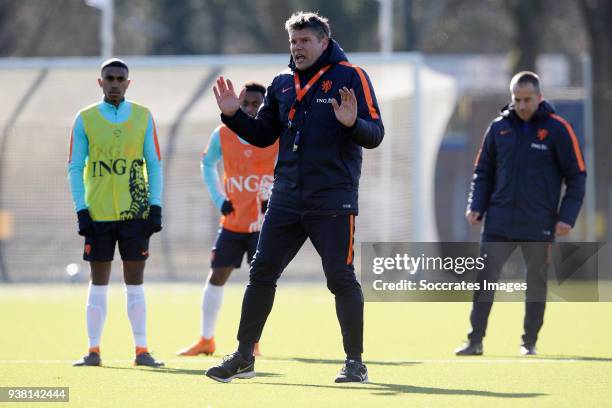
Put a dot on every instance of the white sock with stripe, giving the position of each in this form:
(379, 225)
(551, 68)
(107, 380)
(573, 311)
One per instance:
(96, 313)
(137, 313)
(212, 298)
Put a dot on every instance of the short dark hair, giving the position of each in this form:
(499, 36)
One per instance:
(525, 77)
(114, 62)
(255, 87)
(308, 19)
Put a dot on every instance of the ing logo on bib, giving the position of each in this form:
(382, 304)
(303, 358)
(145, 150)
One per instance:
(252, 183)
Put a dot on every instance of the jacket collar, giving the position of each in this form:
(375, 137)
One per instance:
(108, 105)
(544, 110)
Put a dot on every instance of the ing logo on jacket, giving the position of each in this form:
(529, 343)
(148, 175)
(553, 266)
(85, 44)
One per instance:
(542, 133)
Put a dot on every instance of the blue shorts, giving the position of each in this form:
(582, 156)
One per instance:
(230, 247)
(131, 237)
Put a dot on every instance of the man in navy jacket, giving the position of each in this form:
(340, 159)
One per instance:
(527, 153)
(316, 182)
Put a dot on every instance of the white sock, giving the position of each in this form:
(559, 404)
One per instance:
(96, 312)
(212, 298)
(137, 313)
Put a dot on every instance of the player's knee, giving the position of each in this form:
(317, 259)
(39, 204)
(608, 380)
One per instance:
(219, 276)
(216, 280)
(100, 279)
(133, 277)
(264, 272)
(340, 287)
(263, 279)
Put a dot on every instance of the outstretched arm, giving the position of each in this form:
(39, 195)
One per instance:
(573, 169)
(79, 151)
(261, 131)
(227, 101)
(483, 180)
(210, 173)
(152, 156)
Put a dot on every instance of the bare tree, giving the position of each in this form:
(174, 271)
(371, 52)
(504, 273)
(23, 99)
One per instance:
(177, 20)
(528, 19)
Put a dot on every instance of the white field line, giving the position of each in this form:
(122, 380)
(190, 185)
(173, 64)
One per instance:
(468, 360)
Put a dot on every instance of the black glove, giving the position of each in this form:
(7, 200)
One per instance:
(85, 223)
(227, 207)
(264, 206)
(155, 220)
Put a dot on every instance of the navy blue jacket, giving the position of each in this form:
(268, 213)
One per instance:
(322, 176)
(519, 171)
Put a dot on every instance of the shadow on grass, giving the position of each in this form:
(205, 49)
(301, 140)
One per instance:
(182, 371)
(398, 389)
(340, 362)
(571, 358)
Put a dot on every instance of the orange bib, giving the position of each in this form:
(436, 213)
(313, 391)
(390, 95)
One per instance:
(247, 179)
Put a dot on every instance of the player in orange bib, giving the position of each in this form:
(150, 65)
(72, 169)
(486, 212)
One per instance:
(247, 180)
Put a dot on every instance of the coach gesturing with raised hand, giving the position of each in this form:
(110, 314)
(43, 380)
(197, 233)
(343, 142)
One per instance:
(316, 182)
(229, 103)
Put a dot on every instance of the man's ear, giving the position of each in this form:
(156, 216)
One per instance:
(325, 42)
(100, 82)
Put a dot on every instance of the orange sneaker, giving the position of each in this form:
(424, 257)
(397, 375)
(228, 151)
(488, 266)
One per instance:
(256, 352)
(202, 346)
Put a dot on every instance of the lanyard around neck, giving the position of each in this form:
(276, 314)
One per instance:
(301, 92)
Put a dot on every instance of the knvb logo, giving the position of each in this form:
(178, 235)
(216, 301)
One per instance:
(326, 86)
(542, 133)
(250, 183)
(113, 166)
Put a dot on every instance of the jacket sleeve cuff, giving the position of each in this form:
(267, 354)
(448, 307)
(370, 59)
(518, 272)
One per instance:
(229, 119)
(567, 220)
(352, 129)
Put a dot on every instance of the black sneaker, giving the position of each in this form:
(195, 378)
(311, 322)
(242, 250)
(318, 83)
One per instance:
(146, 359)
(528, 350)
(353, 371)
(470, 348)
(92, 359)
(232, 366)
